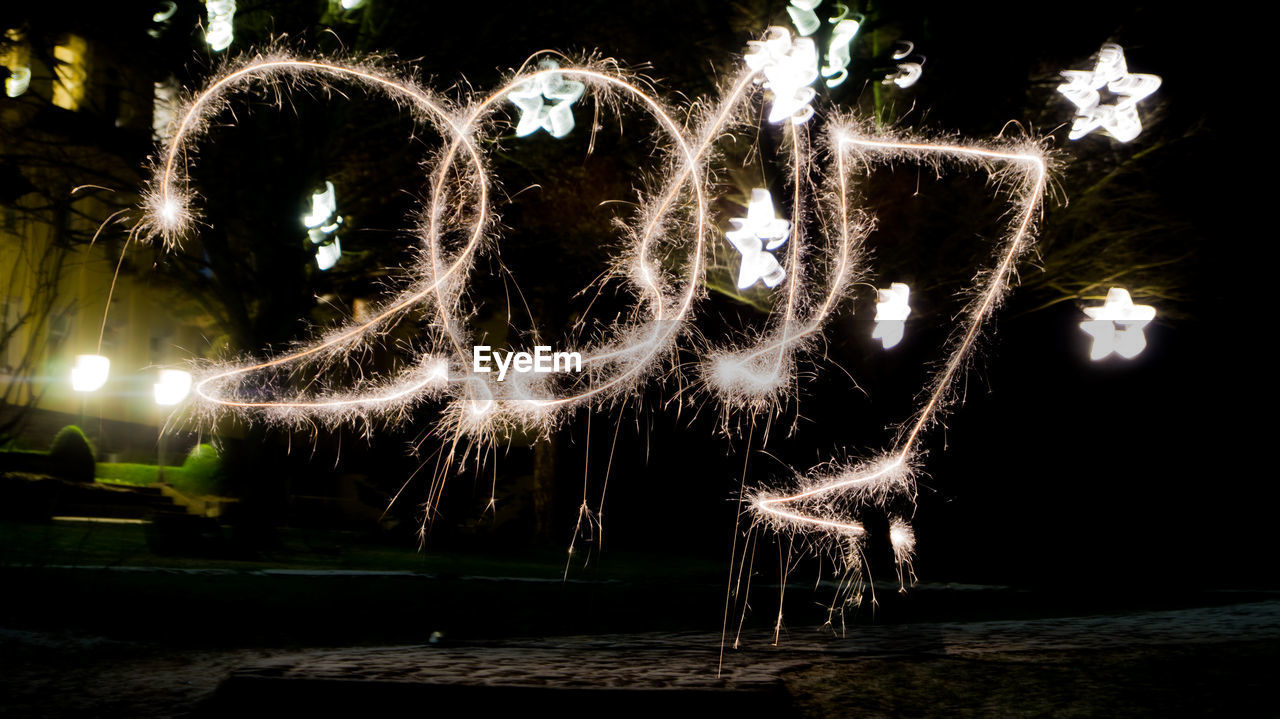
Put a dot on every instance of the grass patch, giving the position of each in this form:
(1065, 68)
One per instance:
(132, 474)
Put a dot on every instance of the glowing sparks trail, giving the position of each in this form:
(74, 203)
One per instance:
(1117, 326)
(674, 220)
(1119, 119)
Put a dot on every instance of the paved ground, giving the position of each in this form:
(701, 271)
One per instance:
(1191, 662)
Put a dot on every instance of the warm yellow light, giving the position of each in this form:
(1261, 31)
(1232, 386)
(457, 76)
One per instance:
(90, 373)
(173, 387)
(70, 73)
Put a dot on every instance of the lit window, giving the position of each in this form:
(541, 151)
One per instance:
(68, 87)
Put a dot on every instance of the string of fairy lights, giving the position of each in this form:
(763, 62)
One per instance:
(675, 218)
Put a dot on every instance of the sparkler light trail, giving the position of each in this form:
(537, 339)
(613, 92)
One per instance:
(674, 220)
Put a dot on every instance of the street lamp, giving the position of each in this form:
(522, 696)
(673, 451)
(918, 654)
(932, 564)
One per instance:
(90, 373)
(173, 387)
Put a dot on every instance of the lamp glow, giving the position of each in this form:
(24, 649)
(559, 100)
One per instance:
(172, 387)
(89, 373)
(892, 309)
(1117, 326)
(761, 230)
(556, 117)
(1118, 119)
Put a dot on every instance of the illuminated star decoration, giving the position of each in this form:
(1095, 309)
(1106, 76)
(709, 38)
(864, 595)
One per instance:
(536, 113)
(1119, 119)
(759, 227)
(891, 314)
(1117, 325)
(789, 67)
(322, 225)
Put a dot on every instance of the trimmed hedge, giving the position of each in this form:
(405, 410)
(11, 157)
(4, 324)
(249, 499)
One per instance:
(72, 455)
(201, 474)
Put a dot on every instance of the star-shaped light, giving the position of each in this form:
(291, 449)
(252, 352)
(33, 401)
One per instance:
(556, 116)
(891, 314)
(761, 230)
(789, 67)
(1117, 325)
(1119, 119)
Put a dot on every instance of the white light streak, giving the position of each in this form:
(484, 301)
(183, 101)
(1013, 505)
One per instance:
(18, 81)
(1117, 326)
(803, 16)
(908, 74)
(892, 309)
(220, 25)
(322, 224)
(170, 7)
(835, 70)
(789, 67)
(16, 58)
(1118, 119)
(89, 373)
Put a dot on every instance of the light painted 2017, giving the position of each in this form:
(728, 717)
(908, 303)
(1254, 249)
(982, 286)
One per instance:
(542, 361)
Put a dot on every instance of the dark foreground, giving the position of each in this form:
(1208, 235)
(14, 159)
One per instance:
(1217, 660)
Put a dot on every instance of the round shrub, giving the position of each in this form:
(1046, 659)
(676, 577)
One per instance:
(202, 473)
(71, 455)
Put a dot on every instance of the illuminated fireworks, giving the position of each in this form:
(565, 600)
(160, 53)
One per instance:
(674, 219)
